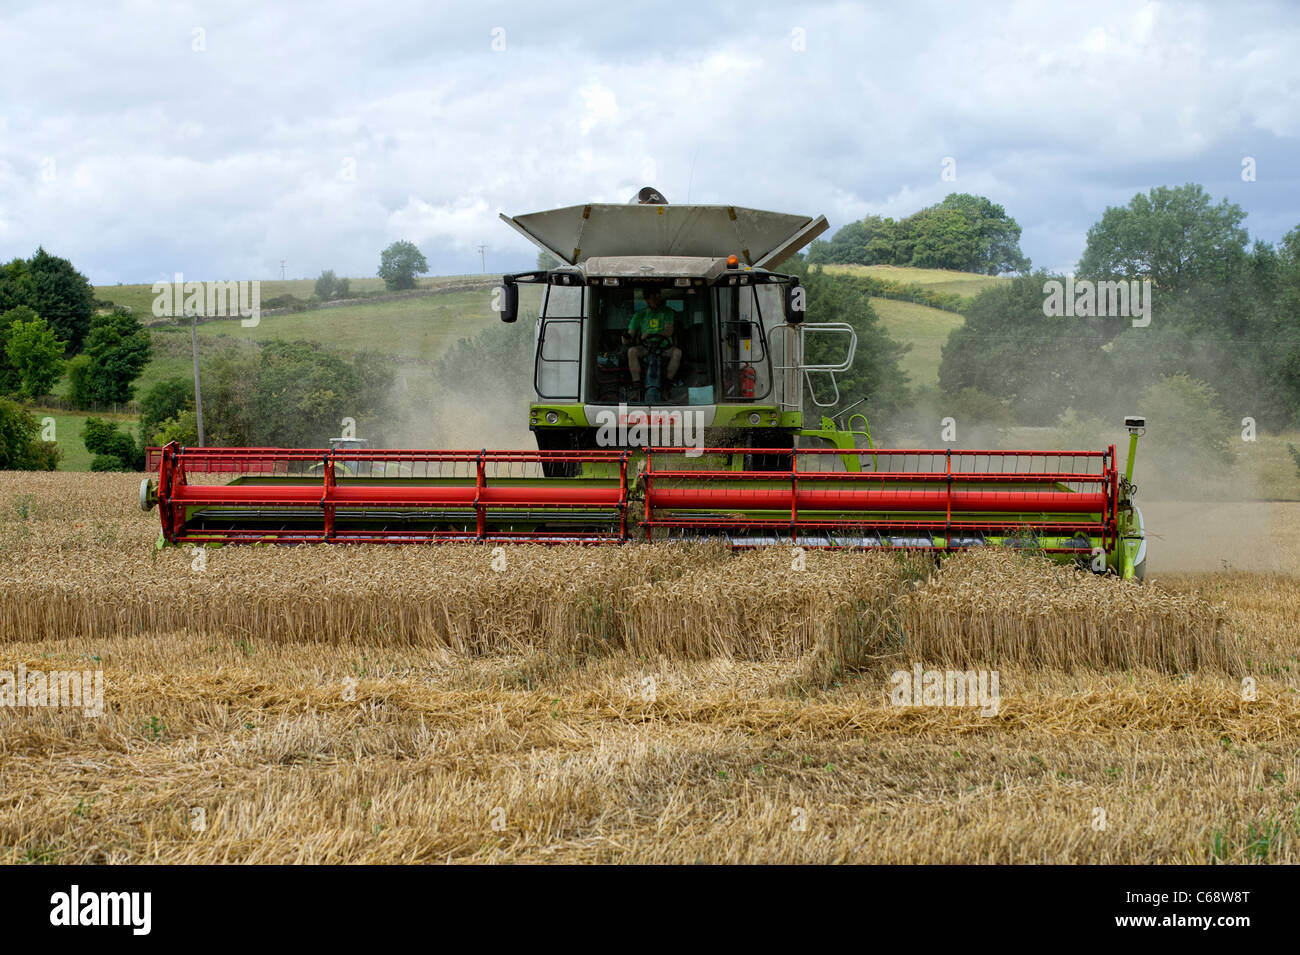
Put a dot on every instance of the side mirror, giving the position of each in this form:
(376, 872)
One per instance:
(508, 303)
(794, 302)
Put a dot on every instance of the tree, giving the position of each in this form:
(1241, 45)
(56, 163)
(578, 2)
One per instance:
(1171, 236)
(21, 448)
(1223, 313)
(289, 394)
(10, 380)
(342, 287)
(400, 263)
(1188, 425)
(114, 449)
(183, 429)
(77, 368)
(326, 285)
(303, 393)
(16, 285)
(229, 381)
(963, 232)
(497, 353)
(119, 348)
(167, 399)
(1039, 366)
(967, 233)
(996, 235)
(869, 242)
(33, 351)
(63, 297)
(1284, 355)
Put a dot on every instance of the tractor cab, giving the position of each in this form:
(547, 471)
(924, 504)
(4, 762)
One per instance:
(352, 467)
(349, 444)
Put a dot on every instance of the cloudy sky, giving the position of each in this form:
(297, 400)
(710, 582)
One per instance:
(216, 139)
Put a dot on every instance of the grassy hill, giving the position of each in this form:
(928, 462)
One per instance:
(943, 280)
(68, 426)
(140, 297)
(412, 329)
(925, 329)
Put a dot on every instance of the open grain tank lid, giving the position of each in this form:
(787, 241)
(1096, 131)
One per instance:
(576, 233)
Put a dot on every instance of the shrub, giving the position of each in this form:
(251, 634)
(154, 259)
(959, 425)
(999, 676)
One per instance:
(285, 301)
(107, 462)
(165, 400)
(183, 429)
(326, 286)
(21, 448)
(104, 439)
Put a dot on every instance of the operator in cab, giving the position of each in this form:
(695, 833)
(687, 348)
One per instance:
(655, 321)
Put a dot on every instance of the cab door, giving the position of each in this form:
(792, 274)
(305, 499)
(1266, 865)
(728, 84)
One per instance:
(557, 370)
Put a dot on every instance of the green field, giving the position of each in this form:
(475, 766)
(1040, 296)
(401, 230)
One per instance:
(67, 434)
(941, 280)
(925, 329)
(140, 297)
(419, 329)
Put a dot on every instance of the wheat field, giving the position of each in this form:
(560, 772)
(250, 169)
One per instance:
(666, 703)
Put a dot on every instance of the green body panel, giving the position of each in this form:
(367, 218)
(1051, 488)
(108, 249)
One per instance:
(570, 415)
(737, 416)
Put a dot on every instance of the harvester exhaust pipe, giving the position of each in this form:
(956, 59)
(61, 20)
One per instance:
(1137, 425)
(1132, 563)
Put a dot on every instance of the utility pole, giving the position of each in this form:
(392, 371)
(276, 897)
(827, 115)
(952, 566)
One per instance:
(282, 261)
(483, 256)
(198, 395)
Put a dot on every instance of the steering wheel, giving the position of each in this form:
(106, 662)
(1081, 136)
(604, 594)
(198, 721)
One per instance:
(657, 343)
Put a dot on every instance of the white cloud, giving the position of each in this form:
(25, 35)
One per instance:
(599, 105)
(223, 162)
(460, 223)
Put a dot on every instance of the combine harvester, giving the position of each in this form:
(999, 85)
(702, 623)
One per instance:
(671, 398)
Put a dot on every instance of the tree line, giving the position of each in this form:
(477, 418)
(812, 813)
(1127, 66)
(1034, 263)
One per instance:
(963, 232)
(1224, 315)
(52, 327)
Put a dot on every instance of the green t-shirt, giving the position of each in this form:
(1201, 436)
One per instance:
(648, 321)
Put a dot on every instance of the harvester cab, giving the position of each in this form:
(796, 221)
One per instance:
(675, 318)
